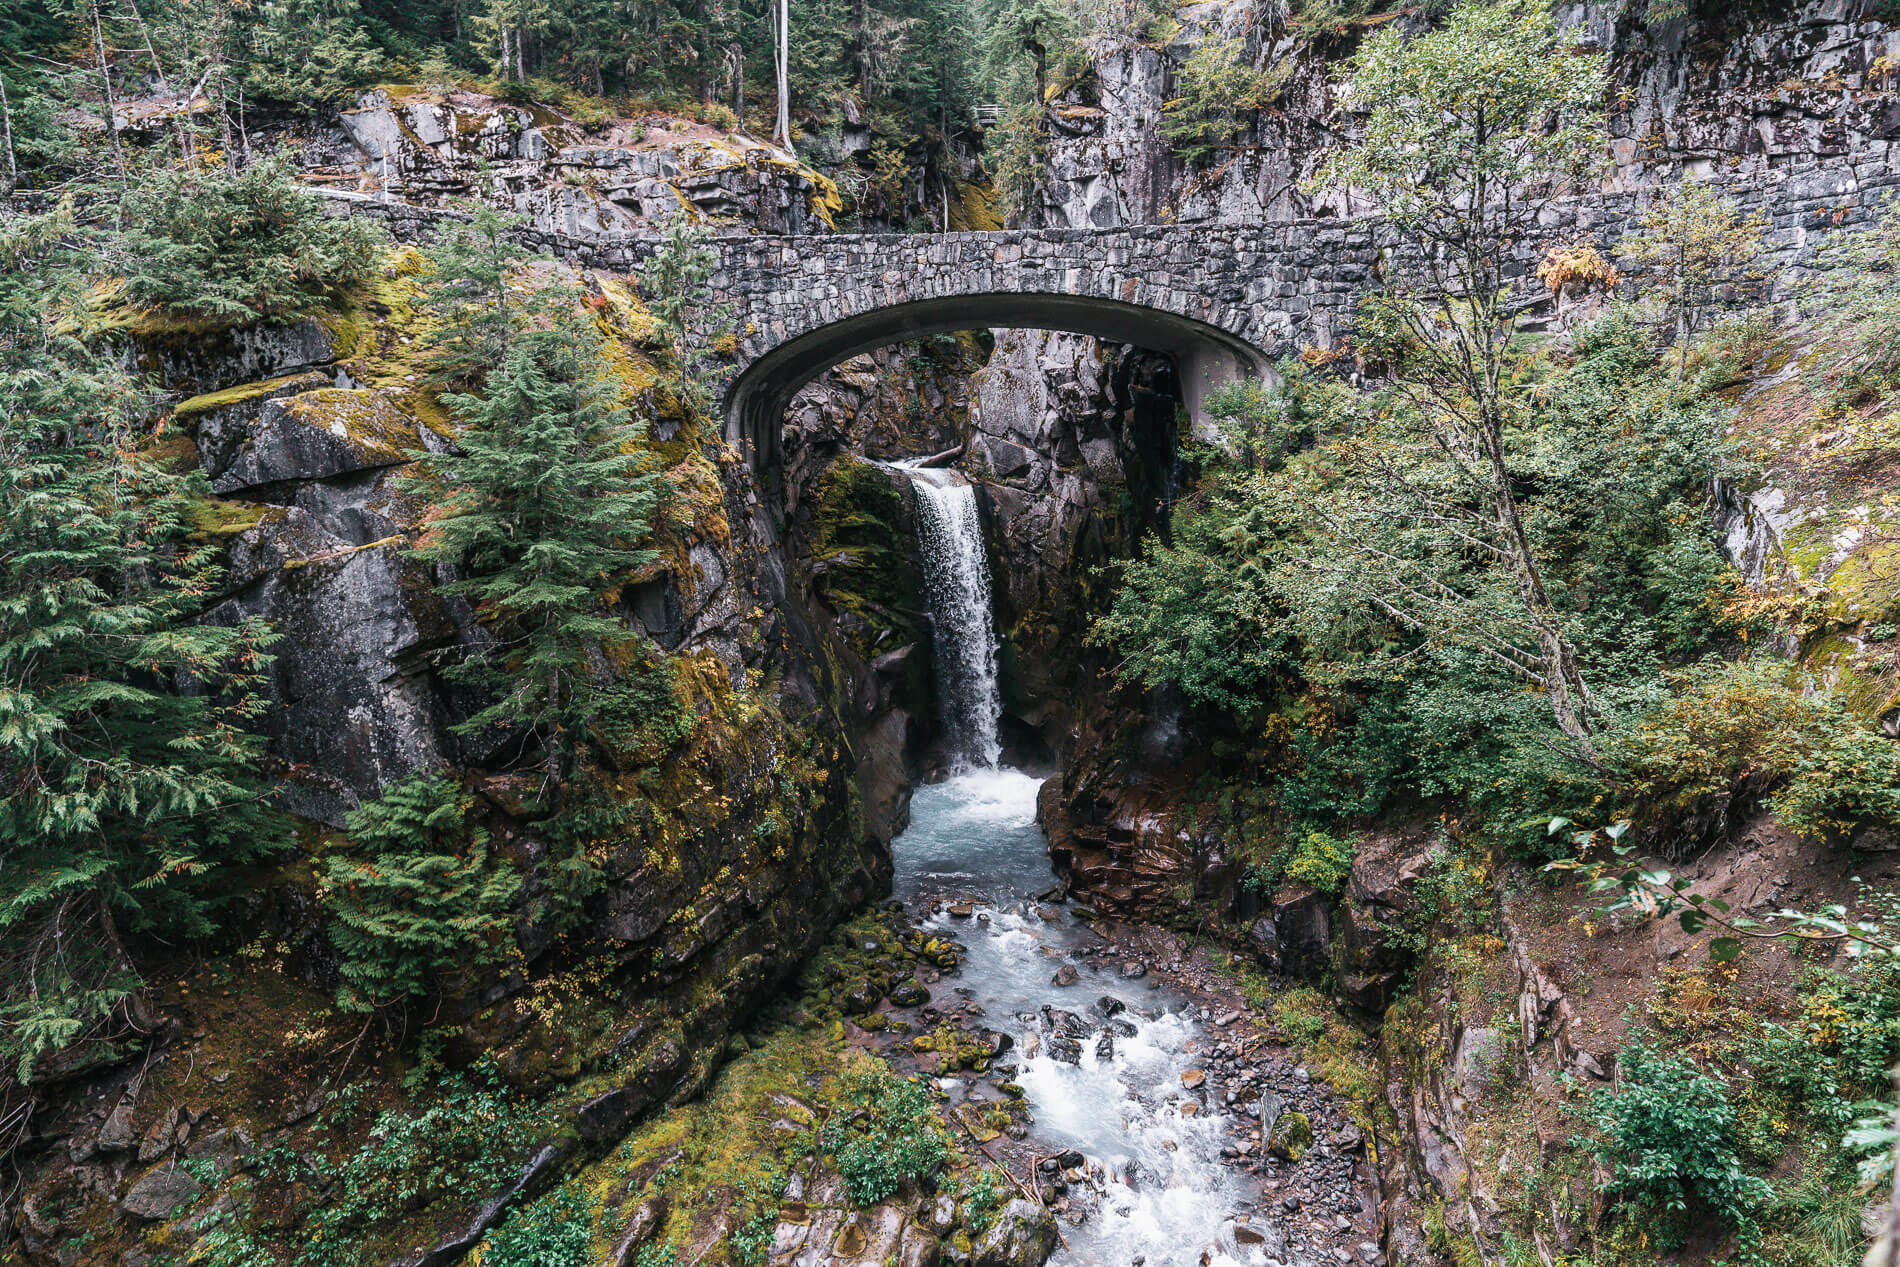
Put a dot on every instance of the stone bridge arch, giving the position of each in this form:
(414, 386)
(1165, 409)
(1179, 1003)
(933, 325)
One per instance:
(1201, 295)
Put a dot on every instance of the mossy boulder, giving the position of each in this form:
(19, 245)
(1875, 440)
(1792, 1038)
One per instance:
(301, 432)
(1291, 1137)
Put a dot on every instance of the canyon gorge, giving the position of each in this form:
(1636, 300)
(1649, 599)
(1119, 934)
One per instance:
(964, 689)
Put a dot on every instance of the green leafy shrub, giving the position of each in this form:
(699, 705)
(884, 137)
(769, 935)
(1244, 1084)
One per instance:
(1320, 861)
(981, 1199)
(1666, 1134)
(1736, 733)
(1217, 90)
(234, 249)
(467, 1136)
(549, 1233)
(1834, 1055)
(419, 898)
(896, 1140)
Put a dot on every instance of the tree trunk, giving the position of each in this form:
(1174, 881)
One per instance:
(6, 126)
(1682, 325)
(735, 66)
(863, 17)
(105, 86)
(1570, 699)
(782, 132)
(158, 68)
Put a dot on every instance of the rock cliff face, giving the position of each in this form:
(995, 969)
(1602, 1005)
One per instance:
(731, 852)
(1075, 444)
(427, 147)
(1794, 100)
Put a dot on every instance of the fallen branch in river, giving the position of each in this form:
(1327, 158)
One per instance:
(1028, 1193)
(942, 459)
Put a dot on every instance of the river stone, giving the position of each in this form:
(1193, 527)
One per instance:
(1291, 1136)
(1024, 1236)
(1065, 975)
(160, 1194)
(860, 996)
(919, 1249)
(1068, 1051)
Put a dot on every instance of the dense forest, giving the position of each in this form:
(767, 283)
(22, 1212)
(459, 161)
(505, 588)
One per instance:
(204, 79)
(457, 804)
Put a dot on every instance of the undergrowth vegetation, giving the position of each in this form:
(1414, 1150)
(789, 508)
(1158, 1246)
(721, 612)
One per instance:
(1457, 577)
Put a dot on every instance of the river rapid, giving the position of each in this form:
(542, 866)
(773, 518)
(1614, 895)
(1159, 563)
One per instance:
(1105, 1060)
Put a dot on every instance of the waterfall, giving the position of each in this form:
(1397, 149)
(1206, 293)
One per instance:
(957, 581)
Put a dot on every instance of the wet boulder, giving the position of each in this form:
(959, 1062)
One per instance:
(308, 433)
(353, 704)
(1297, 936)
(160, 1194)
(1023, 1235)
(860, 996)
(1291, 1136)
(209, 362)
(1065, 1024)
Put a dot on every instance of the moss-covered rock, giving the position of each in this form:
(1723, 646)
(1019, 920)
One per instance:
(1291, 1137)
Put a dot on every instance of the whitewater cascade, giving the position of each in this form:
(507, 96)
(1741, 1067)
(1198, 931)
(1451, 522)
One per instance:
(1109, 1086)
(957, 582)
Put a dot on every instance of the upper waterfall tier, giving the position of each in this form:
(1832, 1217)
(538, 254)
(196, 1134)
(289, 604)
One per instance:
(957, 580)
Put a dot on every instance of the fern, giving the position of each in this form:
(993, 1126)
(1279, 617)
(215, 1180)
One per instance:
(420, 902)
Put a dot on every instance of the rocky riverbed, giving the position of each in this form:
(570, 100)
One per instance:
(1115, 1071)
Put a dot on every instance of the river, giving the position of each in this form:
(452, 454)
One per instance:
(1100, 1059)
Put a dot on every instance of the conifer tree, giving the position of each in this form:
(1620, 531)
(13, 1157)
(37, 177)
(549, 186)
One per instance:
(677, 286)
(232, 249)
(544, 507)
(419, 898)
(477, 290)
(128, 775)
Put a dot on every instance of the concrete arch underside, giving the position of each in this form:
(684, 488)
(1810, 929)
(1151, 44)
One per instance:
(1205, 355)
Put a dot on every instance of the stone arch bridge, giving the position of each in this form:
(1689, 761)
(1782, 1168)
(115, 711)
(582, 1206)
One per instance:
(1218, 299)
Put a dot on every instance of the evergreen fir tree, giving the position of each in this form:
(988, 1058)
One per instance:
(312, 53)
(128, 777)
(231, 249)
(475, 287)
(420, 899)
(543, 508)
(677, 286)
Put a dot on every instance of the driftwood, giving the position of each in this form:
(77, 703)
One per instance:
(942, 459)
(1028, 1193)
